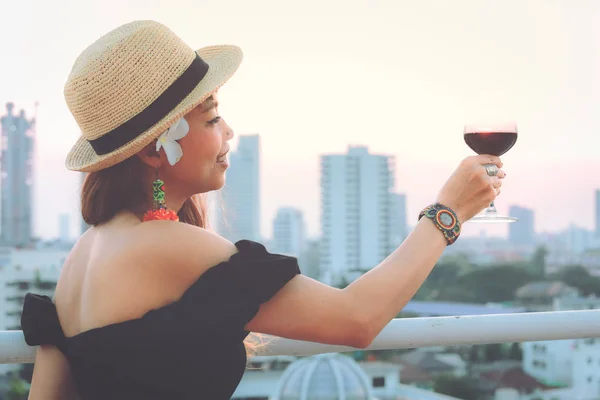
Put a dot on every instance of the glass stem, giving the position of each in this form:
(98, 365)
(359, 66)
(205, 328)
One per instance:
(492, 207)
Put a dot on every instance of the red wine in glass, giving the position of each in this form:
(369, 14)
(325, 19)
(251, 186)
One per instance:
(493, 139)
(494, 143)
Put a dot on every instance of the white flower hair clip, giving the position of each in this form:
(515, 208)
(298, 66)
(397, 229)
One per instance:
(168, 140)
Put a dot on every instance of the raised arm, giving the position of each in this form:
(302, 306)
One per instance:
(305, 309)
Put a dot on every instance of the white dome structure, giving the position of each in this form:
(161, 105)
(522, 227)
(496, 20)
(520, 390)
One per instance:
(324, 377)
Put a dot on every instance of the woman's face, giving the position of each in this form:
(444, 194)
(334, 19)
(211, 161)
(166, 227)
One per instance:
(203, 164)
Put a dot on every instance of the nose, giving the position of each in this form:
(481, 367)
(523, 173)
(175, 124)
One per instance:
(229, 134)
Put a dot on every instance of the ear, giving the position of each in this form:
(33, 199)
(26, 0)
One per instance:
(151, 157)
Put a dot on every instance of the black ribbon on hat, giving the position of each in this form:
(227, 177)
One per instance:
(156, 111)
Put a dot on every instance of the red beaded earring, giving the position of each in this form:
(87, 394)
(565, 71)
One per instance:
(159, 209)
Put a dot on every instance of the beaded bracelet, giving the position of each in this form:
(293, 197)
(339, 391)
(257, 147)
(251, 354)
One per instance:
(445, 219)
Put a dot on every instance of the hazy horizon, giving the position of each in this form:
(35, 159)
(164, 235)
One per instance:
(401, 77)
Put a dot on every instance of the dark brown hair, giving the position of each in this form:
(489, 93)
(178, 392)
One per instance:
(124, 187)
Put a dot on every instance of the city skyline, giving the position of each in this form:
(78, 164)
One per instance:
(396, 77)
(79, 225)
(216, 212)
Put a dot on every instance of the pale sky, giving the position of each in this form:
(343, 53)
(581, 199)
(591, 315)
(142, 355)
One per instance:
(402, 77)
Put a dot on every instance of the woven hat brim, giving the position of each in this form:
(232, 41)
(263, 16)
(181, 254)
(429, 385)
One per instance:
(223, 61)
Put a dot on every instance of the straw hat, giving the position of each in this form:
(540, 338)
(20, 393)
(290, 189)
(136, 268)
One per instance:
(132, 84)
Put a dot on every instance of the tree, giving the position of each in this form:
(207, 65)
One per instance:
(538, 262)
(578, 276)
(462, 388)
(359, 355)
(26, 372)
(515, 352)
(445, 274)
(458, 293)
(18, 390)
(474, 354)
(493, 352)
(497, 283)
(494, 284)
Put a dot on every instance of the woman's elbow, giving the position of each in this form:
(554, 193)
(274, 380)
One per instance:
(358, 334)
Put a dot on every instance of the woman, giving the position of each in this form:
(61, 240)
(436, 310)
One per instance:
(150, 305)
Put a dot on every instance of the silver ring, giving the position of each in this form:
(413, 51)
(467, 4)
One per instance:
(491, 169)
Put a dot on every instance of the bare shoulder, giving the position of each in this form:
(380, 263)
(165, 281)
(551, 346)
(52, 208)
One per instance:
(188, 250)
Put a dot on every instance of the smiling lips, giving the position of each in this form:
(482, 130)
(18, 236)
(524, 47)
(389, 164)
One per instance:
(223, 157)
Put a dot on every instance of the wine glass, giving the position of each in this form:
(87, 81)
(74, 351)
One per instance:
(493, 139)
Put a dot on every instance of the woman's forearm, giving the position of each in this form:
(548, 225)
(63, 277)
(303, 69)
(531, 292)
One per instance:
(380, 294)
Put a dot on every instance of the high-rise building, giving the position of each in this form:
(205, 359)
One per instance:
(16, 155)
(309, 259)
(522, 232)
(577, 239)
(398, 225)
(240, 212)
(355, 212)
(288, 232)
(597, 203)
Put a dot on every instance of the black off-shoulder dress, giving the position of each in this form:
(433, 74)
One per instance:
(190, 349)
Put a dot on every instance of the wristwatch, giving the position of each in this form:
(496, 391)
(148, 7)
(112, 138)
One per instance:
(444, 219)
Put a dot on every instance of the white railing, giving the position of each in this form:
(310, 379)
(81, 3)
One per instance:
(410, 333)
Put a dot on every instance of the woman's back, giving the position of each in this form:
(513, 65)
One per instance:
(112, 275)
(134, 322)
